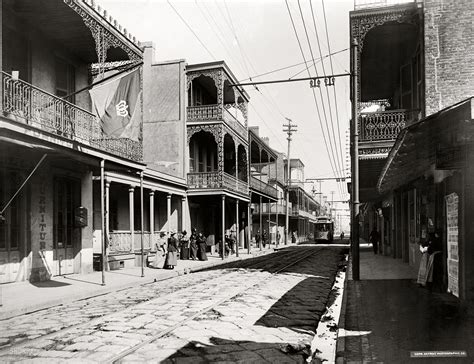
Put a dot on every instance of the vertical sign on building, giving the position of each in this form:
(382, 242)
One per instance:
(452, 202)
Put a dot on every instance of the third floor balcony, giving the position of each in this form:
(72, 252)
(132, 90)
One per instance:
(212, 98)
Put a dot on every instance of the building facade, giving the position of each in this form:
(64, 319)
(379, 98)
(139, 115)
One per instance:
(415, 88)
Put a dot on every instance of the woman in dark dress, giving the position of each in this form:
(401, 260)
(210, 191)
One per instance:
(193, 248)
(172, 254)
(184, 246)
(201, 243)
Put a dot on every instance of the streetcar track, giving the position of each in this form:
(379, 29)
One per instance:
(87, 322)
(125, 353)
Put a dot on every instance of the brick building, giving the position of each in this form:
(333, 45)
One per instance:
(415, 63)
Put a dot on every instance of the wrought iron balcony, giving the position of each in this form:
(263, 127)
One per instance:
(28, 104)
(275, 208)
(383, 125)
(217, 181)
(263, 187)
(205, 113)
(367, 4)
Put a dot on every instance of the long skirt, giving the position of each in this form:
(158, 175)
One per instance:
(171, 259)
(202, 251)
(184, 253)
(193, 251)
(159, 259)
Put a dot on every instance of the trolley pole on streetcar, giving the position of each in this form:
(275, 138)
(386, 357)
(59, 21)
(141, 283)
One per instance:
(289, 129)
(355, 168)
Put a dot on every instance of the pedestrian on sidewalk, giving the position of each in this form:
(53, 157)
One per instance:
(374, 239)
(257, 238)
(172, 254)
(193, 248)
(428, 272)
(293, 237)
(278, 237)
(201, 243)
(264, 238)
(160, 247)
(232, 241)
(184, 246)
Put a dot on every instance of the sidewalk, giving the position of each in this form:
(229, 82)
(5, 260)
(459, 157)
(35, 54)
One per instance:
(387, 318)
(25, 297)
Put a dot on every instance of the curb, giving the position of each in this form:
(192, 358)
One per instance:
(106, 290)
(341, 341)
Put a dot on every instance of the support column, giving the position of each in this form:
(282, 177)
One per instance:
(249, 226)
(107, 210)
(131, 204)
(183, 213)
(223, 226)
(152, 215)
(276, 232)
(168, 213)
(237, 230)
(269, 224)
(260, 223)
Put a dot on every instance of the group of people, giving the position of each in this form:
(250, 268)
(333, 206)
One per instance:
(261, 238)
(168, 250)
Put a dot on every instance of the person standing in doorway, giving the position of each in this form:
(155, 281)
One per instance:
(374, 239)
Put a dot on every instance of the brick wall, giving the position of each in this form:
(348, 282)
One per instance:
(449, 52)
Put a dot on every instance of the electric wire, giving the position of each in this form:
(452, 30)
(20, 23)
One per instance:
(334, 89)
(191, 30)
(338, 155)
(314, 94)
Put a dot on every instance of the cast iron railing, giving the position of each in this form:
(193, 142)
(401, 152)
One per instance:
(212, 180)
(31, 105)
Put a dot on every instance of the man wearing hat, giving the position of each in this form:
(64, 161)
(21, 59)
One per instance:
(172, 254)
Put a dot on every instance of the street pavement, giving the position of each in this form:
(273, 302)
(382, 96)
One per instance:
(246, 311)
(388, 318)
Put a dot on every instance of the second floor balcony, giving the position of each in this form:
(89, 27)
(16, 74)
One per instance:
(383, 125)
(217, 181)
(30, 105)
(263, 187)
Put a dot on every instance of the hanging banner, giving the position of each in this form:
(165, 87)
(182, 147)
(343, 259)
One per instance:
(452, 213)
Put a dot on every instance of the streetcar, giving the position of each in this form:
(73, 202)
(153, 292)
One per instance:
(324, 229)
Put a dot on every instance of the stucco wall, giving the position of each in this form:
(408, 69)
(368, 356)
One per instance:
(164, 126)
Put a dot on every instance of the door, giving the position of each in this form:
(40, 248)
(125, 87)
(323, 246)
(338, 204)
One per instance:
(12, 228)
(66, 235)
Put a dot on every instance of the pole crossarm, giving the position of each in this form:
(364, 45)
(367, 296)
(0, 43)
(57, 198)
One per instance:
(329, 80)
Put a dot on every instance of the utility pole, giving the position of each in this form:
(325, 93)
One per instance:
(355, 167)
(289, 129)
(332, 204)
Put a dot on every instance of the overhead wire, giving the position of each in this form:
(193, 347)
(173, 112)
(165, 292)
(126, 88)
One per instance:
(192, 31)
(314, 94)
(339, 156)
(332, 71)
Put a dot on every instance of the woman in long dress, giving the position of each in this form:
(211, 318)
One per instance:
(193, 248)
(184, 246)
(201, 243)
(172, 254)
(160, 251)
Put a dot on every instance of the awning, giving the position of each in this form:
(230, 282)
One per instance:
(436, 143)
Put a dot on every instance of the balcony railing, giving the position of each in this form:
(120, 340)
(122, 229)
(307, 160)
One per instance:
(215, 113)
(212, 180)
(121, 241)
(367, 4)
(383, 125)
(263, 187)
(279, 208)
(28, 104)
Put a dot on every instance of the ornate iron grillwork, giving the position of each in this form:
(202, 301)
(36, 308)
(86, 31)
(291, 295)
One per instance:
(30, 105)
(383, 125)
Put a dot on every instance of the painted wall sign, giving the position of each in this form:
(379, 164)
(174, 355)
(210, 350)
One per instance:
(452, 213)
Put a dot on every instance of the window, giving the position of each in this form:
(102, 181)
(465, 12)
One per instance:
(16, 53)
(65, 79)
(192, 146)
(66, 198)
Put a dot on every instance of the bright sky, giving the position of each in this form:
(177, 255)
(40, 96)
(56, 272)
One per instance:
(254, 37)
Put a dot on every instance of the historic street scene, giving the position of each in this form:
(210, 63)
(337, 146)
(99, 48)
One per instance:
(230, 181)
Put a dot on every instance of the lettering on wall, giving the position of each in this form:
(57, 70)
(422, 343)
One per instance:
(42, 213)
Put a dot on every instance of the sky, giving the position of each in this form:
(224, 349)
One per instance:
(256, 37)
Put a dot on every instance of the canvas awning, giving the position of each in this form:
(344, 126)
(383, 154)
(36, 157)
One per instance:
(437, 142)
